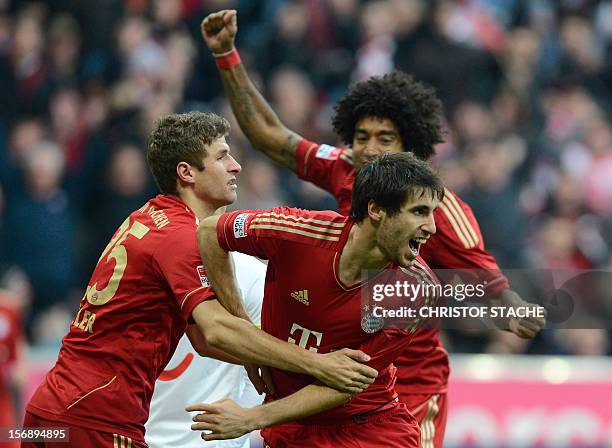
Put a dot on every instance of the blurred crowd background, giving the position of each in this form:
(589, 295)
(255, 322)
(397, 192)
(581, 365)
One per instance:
(526, 87)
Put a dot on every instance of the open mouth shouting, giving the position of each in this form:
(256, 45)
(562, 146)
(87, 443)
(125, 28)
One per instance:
(415, 245)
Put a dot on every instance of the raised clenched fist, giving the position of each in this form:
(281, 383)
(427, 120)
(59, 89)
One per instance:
(219, 30)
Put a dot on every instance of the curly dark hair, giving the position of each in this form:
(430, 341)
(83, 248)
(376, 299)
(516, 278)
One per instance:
(410, 105)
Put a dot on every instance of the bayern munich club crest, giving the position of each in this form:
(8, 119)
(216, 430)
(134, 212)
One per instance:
(371, 323)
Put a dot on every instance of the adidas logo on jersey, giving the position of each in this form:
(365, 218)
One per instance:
(301, 296)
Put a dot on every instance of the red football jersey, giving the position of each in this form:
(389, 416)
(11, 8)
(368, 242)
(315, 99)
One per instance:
(147, 282)
(457, 244)
(307, 304)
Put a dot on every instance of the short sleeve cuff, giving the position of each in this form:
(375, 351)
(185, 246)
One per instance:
(194, 298)
(303, 150)
(497, 285)
(223, 226)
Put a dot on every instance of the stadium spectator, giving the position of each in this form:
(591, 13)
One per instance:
(47, 258)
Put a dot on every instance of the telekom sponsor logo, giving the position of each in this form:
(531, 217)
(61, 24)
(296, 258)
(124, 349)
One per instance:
(529, 414)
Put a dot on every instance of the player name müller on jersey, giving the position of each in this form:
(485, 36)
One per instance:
(145, 286)
(307, 304)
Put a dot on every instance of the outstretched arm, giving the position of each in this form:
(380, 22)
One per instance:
(257, 120)
(227, 420)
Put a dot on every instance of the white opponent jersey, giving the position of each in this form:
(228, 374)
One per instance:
(189, 378)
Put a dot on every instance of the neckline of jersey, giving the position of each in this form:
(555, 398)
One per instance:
(336, 261)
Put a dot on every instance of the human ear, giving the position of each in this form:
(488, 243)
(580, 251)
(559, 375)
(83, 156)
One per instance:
(184, 172)
(375, 211)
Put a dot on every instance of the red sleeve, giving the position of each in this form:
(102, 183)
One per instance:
(178, 261)
(248, 231)
(458, 244)
(268, 233)
(385, 346)
(316, 163)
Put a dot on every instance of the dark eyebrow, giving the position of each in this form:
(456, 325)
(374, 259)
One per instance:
(383, 133)
(390, 133)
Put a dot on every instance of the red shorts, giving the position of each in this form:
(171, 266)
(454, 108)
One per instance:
(78, 437)
(391, 428)
(430, 410)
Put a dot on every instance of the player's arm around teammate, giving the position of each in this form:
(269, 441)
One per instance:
(380, 236)
(226, 333)
(226, 418)
(246, 342)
